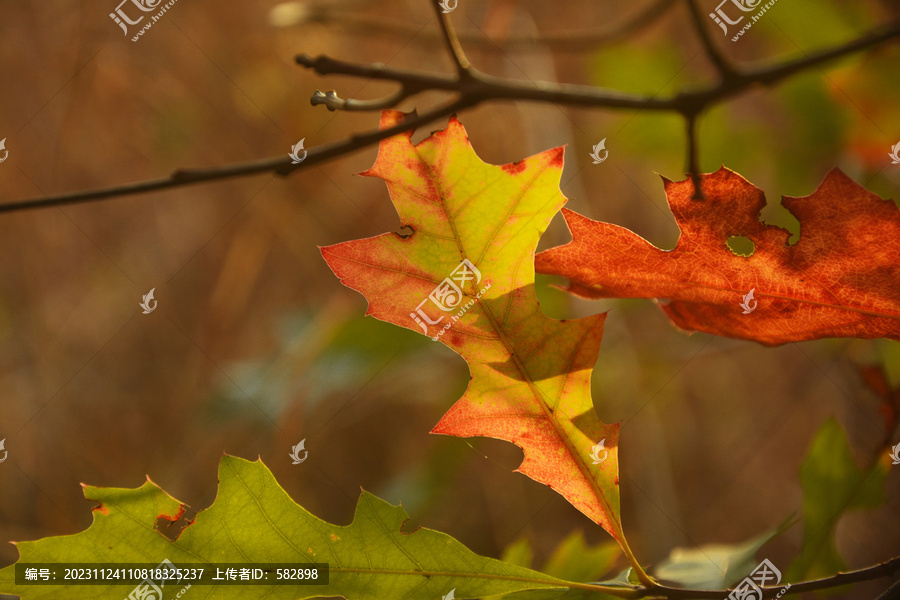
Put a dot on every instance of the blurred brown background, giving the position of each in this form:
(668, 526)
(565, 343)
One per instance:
(255, 345)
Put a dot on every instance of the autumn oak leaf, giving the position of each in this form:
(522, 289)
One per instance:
(465, 277)
(254, 521)
(841, 279)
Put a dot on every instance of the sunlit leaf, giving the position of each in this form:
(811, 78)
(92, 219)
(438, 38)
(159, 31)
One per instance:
(530, 374)
(253, 520)
(842, 279)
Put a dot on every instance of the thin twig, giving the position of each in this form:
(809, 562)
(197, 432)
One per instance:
(892, 593)
(777, 73)
(726, 70)
(484, 87)
(479, 88)
(693, 164)
(453, 48)
(333, 102)
(473, 87)
(884, 569)
(279, 165)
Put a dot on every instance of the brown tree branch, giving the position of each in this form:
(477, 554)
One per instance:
(279, 165)
(884, 569)
(473, 89)
(726, 70)
(483, 87)
(453, 46)
(693, 155)
(892, 593)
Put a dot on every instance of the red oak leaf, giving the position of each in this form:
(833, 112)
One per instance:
(842, 279)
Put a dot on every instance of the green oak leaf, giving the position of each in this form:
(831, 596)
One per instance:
(832, 485)
(253, 520)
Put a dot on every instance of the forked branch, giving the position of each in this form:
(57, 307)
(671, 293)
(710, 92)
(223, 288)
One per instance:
(471, 88)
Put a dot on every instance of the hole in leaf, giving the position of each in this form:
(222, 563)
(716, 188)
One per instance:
(405, 231)
(172, 528)
(777, 215)
(740, 245)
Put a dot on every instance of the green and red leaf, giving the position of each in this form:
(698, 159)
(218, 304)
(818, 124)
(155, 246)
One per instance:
(530, 375)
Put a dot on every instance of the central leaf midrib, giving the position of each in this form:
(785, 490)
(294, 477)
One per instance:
(555, 421)
(759, 294)
(536, 393)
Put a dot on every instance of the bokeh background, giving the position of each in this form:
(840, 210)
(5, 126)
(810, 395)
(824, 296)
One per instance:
(255, 345)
